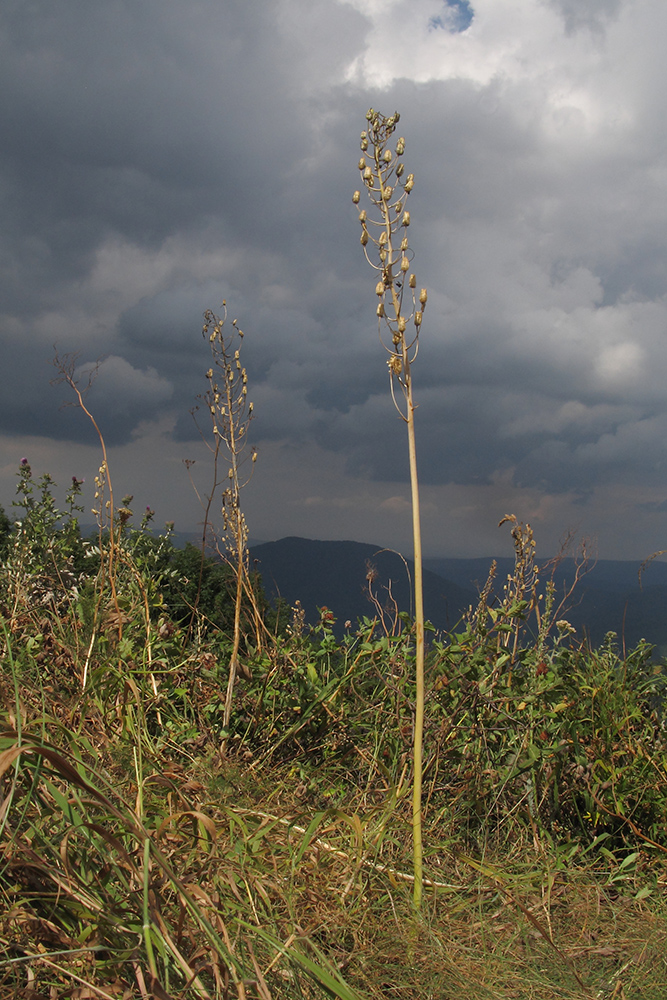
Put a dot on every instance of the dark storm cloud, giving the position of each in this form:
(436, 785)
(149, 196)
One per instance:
(158, 159)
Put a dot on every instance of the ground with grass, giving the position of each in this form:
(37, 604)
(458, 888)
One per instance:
(151, 851)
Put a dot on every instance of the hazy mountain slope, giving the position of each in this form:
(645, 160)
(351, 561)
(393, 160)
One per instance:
(334, 574)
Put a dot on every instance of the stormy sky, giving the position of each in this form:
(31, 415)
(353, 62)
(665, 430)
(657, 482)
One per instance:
(158, 158)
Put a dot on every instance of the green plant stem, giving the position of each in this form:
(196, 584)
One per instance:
(409, 417)
(419, 661)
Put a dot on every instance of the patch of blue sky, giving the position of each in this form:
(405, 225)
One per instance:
(457, 17)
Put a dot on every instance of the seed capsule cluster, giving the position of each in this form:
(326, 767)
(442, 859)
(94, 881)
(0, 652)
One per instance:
(382, 173)
(226, 401)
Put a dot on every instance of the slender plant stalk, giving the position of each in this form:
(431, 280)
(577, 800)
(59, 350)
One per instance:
(66, 366)
(382, 173)
(230, 411)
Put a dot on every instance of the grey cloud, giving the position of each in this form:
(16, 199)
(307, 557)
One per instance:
(158, 159)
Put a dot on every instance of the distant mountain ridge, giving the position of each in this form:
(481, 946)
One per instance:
(334, 575)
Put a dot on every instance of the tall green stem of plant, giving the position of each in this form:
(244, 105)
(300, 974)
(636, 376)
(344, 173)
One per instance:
(382, 173)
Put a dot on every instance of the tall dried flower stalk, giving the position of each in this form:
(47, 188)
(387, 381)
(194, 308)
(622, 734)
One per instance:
(399, 322)
(230, 411)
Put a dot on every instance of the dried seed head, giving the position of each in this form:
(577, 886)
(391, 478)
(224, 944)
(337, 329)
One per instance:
(423, 296)
(356, 196)
(395, 365)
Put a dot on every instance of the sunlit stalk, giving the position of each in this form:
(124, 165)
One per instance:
(382, 173)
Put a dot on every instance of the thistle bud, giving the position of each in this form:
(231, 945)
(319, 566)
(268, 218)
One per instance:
(405, 264)
(364, 238)
(379, 288)
(423, 295)
(413, 281)
(418, 317)
(406, 219)
(356, 196)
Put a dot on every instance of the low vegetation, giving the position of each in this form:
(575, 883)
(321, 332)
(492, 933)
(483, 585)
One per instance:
(150, 851)
(203, 797)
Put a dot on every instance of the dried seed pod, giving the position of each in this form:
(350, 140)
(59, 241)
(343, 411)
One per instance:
(364, 238)
(379, 288)
(405, 264)
(413, 281)
(355, 197)
(423, 296)
(418, 317)
(406, 219)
